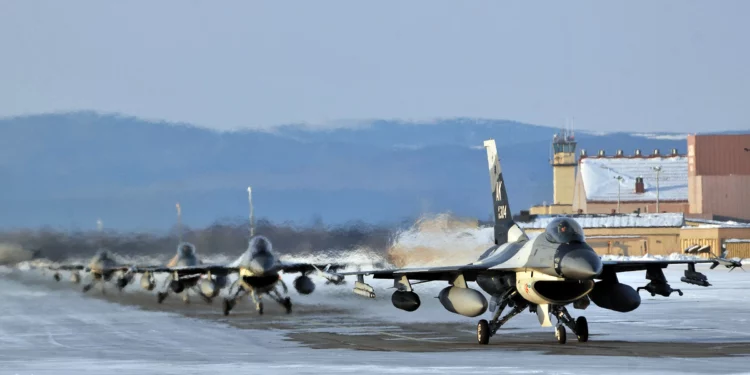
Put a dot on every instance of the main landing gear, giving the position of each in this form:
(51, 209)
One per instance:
(229, 303)
(487, 329)
(579, 327)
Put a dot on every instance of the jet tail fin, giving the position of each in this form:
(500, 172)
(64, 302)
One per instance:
(506, 230)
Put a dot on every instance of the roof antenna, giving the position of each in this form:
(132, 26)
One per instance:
(252, 217)
(179, 222)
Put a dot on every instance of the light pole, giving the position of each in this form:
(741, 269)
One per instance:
(619, 182)
(99, 230)
(658, 171)
(252, 218)
(179, 222)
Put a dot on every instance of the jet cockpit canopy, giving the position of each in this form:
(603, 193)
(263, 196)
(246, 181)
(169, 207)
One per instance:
(564, 230)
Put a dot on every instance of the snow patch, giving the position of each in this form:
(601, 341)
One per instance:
(601, 183)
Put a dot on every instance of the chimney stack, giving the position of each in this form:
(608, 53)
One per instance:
(656, 152)
(639, 185)
(583, 152)
(601, 153)
(637, 152)
(619, 153)
(674, 152)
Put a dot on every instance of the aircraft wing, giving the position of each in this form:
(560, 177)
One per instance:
(470, 272)
(218, 270)
(68, 267)
(289, 267)
(639, 265)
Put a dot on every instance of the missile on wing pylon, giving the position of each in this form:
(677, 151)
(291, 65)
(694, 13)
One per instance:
(364, 290)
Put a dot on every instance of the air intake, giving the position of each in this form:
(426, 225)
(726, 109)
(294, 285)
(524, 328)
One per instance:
(637, 152)
(619, 153)
(601, 153)
(674, 152)
(656, 152)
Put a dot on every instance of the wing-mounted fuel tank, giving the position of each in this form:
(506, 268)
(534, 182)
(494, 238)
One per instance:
(212, 285)
(539, 288)
(404, 297)
(460, 299)
(463, 301)
(148, 281)
(613, 295)
(304, 285)
(407, 301)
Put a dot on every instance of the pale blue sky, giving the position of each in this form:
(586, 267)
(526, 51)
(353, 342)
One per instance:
(612, 65)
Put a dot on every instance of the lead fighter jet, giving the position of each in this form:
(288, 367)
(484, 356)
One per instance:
(544, 274)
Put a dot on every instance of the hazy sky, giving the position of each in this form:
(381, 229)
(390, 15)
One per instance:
(611, 65)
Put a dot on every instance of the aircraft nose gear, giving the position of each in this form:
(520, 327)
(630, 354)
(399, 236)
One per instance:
(580, 326)
(287, 305)
(560, 334)
(658, 284)
(228, 305)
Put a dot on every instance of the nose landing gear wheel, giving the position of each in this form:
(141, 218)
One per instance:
(161, 296)
(483, 332)
(227, 306)
(560, 334)
(582, 329)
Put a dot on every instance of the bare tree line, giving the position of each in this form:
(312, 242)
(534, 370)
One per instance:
(228, 236)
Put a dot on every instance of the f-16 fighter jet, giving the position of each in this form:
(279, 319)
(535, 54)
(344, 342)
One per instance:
(101, 268)
(205, 286)
(543, 275)
(258, 272)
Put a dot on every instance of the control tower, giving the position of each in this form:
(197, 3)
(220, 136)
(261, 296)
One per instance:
(563, 167)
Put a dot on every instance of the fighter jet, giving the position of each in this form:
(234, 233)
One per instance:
(259, 272)
(542, 275)
(178, 282)
(101, 269)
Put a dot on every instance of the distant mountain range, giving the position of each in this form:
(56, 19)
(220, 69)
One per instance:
(67, 170)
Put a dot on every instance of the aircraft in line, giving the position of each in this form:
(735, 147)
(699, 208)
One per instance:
(178, 283)
(205, 286)
(258, 272)
(101, 268)
(543, 275)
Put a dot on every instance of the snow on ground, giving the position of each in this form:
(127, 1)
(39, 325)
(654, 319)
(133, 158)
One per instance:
(45, 330)
(62, 331)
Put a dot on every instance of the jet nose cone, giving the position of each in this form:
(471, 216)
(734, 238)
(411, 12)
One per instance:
(581, 264)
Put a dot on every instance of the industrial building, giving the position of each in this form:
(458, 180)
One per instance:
(654, 203)
(711, 182)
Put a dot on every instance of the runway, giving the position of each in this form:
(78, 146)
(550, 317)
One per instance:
(50, 327)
